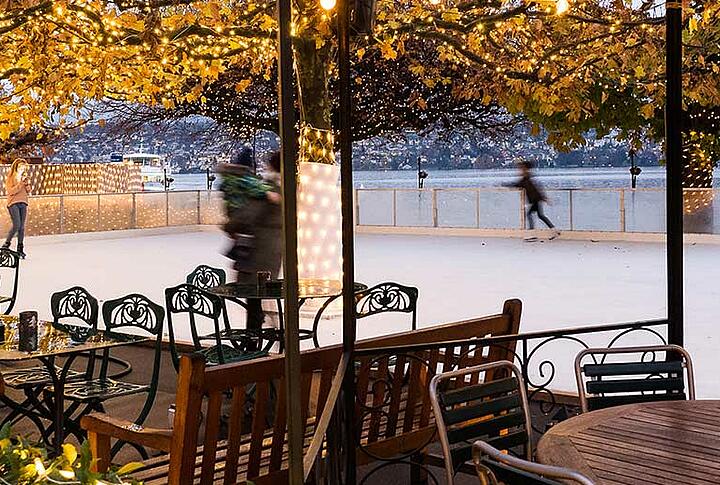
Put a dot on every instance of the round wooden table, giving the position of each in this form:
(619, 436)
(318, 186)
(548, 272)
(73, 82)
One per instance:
(674, 442)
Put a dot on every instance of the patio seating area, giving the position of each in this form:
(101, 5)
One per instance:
(395, 400)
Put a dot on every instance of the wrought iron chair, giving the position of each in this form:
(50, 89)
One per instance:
(205, 277)
(11, 260)
(385, 297)
(77, 304)
(617, 383)
(494, 467)
(135, 312)
(469, 407)
(195, 302)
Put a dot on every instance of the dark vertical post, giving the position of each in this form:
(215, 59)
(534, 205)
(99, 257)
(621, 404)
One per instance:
(348, 226)
(286, 114)
(673, 156)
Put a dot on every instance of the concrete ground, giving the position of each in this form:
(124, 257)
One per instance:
(562, 283)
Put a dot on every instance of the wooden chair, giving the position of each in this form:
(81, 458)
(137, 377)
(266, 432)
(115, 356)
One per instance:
(617, 383)
(11, 260)
(255, 448)
(205, 277)
(486, 402)
(494, 467)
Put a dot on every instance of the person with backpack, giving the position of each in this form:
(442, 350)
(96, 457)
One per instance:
(254, 223)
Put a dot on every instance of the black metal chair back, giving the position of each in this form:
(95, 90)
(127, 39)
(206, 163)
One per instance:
(617, 383)
(194, 302)
(205, 277)
(138, 313)
(11, 260)
(494, 467)
(387, 297)
(76, 303)
(467, 407)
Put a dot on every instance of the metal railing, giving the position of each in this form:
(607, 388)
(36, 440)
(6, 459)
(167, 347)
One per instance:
(546, 360)
(68, 214)
(596, 210)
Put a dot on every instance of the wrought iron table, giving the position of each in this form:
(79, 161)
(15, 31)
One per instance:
(308, 290)
(52, 343)
(640, 444)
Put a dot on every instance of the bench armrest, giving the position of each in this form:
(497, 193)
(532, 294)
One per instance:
(101, 428)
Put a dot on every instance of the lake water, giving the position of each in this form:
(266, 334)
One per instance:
(550, 178)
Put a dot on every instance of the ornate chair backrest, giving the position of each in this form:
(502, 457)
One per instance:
(76, 303)
(468, 407)
(628, 382)
(11, 260)
(137, 312)
(261, 426)
(387, 297)
(194, 302)
(205, 277)
(73, 305)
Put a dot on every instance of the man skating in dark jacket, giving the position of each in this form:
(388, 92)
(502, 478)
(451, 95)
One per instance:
(535, 197)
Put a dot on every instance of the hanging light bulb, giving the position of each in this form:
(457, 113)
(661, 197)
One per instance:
(328, 4)
(562, 6)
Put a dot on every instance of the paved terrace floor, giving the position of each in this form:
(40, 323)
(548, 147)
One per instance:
(562, 283)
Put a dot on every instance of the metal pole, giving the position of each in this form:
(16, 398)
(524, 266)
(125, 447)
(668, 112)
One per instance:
(673, 156)
(348, 252)
(286, 115)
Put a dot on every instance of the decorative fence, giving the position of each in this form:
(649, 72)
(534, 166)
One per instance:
(80, 178)
(66, 214)
(546, 360)
(601, 210)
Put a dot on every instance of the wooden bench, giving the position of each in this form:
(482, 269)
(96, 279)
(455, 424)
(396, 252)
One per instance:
(254, 445)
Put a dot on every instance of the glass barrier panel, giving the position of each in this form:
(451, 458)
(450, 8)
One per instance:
(375, 207)
(151, 209)
(500, 209)
(414, 208)
(557, 209)
(43, 216)
(80, 213)
(183, 208)
(699, 211)
(596, 210)
(212, 208)
(644, 210)
(457, 208)
(116, 212)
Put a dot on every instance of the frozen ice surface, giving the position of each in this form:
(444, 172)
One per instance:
(561, 283)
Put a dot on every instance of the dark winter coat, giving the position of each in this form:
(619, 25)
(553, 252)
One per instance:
(533, 191)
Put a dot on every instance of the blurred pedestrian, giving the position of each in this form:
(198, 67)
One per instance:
(535, 197)
(17, 188)
(254, 224)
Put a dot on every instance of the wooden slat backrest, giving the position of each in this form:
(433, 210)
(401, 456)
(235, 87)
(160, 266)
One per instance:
(267, 429)
(508, 322)
(392, 388)
(268, 434)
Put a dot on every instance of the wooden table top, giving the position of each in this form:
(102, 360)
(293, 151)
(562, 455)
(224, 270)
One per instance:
(674, 442)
